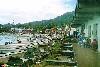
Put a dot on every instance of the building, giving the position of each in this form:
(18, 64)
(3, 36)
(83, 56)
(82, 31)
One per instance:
(26, 31)
(87, 19)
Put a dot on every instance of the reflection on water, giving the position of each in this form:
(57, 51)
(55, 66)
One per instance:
(7, 38)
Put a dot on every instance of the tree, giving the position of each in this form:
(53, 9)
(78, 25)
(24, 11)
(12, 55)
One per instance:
(14, 61)
(31, 52)
(28, 63)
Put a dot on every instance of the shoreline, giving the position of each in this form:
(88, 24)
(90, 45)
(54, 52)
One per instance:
(14, 48)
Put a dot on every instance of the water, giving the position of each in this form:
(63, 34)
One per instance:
(7, 38)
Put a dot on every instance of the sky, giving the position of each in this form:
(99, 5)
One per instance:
(23, 11)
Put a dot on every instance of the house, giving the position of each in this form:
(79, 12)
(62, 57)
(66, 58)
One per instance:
(16, 30)
(87, 19)
(27, 31)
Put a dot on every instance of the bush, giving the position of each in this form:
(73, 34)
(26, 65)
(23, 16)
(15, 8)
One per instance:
(14, 60)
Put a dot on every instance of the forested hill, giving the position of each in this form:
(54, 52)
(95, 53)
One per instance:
(65, 18)
(58, 21)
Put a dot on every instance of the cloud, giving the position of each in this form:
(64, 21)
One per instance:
(32, 10)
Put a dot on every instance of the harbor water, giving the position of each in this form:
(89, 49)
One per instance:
(7, 38)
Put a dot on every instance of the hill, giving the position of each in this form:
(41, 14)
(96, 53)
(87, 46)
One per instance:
(58, 21)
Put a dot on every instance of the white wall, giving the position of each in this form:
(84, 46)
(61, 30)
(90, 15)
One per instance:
(79, 28)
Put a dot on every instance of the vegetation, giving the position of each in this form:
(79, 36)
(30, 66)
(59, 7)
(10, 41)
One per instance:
(28, 63)
(56, 47)
(14, 61)
(56, 22)
(55, 50)
(31, 52)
